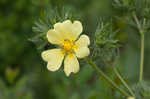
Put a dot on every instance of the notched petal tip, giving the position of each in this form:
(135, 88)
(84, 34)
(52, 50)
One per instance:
(44, 55)
(83, 41)
(86, 39)
(51, 67)
(67, 74)
(77, 26)
(54, 57)
(82, 52)
(58, 26)
(67, 23)
(71, 65)
(78, 23)
(53, 36)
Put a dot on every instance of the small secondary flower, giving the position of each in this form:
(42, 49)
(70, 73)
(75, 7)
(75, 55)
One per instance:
(70, 46)
(130, 98)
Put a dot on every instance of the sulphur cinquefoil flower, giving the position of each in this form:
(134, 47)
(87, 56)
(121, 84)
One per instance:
(70, 46)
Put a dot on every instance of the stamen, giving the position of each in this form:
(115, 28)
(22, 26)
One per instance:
(68, 46)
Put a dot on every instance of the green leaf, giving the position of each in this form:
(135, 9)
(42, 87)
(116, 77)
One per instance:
(142, 90)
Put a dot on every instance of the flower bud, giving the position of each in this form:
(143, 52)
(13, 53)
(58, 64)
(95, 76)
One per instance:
(130, 98)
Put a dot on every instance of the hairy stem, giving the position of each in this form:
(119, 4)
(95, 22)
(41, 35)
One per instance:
(142, 58)
(101, 74)
(141, 31)
(123, 82)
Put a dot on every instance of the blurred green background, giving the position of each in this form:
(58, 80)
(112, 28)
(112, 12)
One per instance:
(23, 74)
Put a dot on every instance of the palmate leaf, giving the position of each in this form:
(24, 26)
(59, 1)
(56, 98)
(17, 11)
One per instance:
(39, 40)
(127, 21)
(142, 90)
(105, 44)
(40, 27)
(140, 7)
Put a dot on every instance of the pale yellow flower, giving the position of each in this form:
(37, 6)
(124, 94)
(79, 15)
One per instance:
(130, 98)
(65, 35)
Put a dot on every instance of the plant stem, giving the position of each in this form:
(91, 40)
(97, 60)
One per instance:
(142, 58)
(137, 22)
(141, 30)
(123, 82)
(101, 74)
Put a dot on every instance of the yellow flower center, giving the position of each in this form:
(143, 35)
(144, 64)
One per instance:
(68, 46)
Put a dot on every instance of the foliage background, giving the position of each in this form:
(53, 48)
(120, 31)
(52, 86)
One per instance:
(23, 74)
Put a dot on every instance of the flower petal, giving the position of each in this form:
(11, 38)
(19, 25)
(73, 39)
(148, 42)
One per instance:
(71, 64)
(68, 29)
(83, 41)
(82, 52)
(82, 49)
(54, 37)
(77, 28)
(64, 29)
(54, 57)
